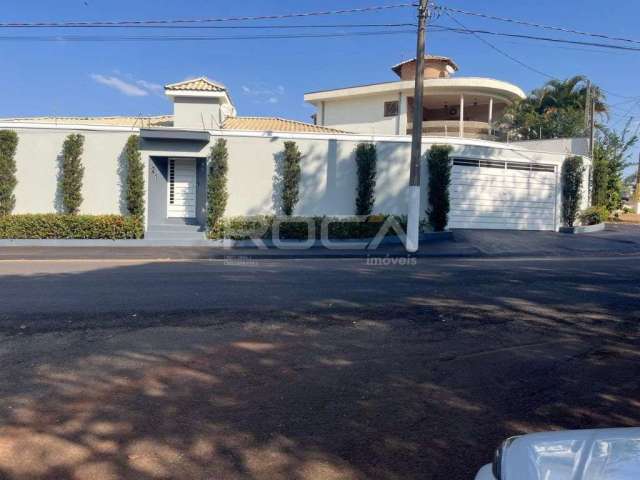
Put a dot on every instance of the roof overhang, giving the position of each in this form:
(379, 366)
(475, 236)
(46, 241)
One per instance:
(198, 94)
(436, 86)
(174, 134)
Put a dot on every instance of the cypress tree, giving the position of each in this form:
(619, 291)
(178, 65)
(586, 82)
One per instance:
(439, 181)
(72, 173)
(135, 178)
(8, 181)
(217, 194)
(291, 177)
(366, 159)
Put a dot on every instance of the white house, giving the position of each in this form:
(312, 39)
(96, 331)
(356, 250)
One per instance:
(494, 184)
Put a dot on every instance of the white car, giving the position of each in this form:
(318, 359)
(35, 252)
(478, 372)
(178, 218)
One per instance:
(605, 454)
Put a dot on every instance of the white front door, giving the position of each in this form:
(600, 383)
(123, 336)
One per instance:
(181, 194)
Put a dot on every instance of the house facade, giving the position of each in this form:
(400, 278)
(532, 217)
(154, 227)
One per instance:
(494, 184)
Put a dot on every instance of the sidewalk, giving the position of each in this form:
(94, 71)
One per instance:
(616, 240)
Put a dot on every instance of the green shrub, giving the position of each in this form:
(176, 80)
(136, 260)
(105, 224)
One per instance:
(291, 173)
(599, 188)
(297, 228)
(366, 159)
(135, 177)
(572, 172)
(72, 173)
(58, 226)
(217, 194)
(439, 181)
(594, 215)
(8, 181)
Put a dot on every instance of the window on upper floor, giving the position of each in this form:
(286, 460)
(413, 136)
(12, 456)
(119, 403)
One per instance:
(391, 108)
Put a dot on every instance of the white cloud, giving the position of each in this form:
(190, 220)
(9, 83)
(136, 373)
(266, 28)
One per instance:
(126, 88)
(151, 87)
(263, 93)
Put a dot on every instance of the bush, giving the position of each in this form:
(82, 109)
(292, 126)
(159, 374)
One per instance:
(572, 172)
(8, 181)
(217, 194)
(366, 159)
(135, 178)
(297, 228)
(594, 215)
(72, 174)
(439, 181)
(57, 226)
(290, 177)
(599, 188)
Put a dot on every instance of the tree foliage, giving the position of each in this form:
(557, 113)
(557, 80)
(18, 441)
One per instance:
(439, 181)
(8, 181)
(572, 173)
(556, 110)
(135, 177)
(72, 173)
(366, 160)
(217, 193)
(611, 155)
(291, 174)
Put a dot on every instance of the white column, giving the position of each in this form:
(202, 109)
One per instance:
(490, 110)
(402, 115)
(461, 128)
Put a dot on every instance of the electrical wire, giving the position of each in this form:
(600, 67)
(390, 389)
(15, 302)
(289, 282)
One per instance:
(536, 25)
(138, 38)
(125, 23)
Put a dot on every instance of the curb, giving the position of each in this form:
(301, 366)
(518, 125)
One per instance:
(347, 244)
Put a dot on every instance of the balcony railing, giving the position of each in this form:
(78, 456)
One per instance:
(451, 128)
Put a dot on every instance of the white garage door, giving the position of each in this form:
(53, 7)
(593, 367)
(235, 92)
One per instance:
(502, 195)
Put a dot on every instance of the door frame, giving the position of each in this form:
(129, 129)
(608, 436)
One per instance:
(158, 180)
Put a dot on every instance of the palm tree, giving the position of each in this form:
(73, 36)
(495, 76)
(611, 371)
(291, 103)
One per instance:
(555, 110)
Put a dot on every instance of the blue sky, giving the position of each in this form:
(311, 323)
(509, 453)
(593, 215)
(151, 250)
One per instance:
(269, 77)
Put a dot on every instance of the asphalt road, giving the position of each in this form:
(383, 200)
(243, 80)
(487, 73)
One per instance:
(307, 369)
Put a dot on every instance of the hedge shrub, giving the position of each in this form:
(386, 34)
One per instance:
(439, 181)
(58, 226)
(594, 215)
(366, 159)
(296, 228)
(291, 174)
(572, 173)
(217, 193)
(72, 173)
(135, 177)
(8, 181)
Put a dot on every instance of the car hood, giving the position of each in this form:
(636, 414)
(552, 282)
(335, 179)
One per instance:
(606, 454)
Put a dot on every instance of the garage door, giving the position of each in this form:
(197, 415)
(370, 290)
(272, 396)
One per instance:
(502, 195)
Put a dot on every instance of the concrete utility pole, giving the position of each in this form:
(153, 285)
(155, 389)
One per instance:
(413, 223)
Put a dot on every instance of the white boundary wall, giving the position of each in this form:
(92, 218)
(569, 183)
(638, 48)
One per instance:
(328, 168)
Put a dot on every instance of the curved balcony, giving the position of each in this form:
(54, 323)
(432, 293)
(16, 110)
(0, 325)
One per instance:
(452, 128)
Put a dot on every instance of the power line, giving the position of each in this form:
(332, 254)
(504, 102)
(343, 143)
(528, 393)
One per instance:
(499, 50)
(124, 23)
(114, 38)
(514, 59)
(537, 25)
(544, 39)
(244, 27)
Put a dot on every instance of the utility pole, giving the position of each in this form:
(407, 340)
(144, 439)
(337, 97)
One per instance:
(413, 221)
(592, 139)
(636, 192)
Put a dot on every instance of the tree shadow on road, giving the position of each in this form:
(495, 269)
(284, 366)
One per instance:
(425, 388)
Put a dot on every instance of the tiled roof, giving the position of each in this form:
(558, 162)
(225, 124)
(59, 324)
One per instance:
(260, 124)
(121, 121)
(396, 68)
(274, 124)
(202, 84)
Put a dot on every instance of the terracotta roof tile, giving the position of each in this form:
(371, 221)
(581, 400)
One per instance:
(274, 124)
(202, 84)
(120, 121)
